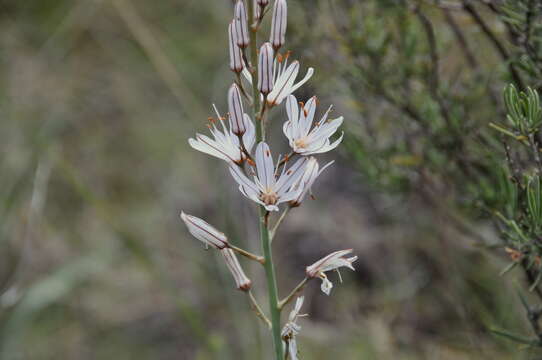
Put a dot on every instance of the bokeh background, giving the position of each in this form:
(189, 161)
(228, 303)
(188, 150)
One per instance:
(98, 99)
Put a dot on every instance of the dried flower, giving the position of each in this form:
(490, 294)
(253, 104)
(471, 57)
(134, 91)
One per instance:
(266, 189)
(235, 107)
(241, 280)
(333, 261)
(312, 171)
(304, 140)
(291, 329)
(236, 58)
(514, 254)
(278, 24)
(205, 232)
(225, 144)
(265, 69)
(242, 39)
(284, 77)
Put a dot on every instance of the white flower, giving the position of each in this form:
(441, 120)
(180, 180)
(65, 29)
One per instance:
(204, 232)
(312, 171)
(278, 23)
(333, 261)
(284, 76)
(241, 280)
(266, 189)
(225, 144)
(291, 329)
(304, 140)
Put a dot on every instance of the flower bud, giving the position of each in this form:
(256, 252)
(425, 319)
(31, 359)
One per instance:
(278, 24)
(236, 60)
(241, 280)
(235, 107)
(241, 26)
(204, 232)
(265, 69)
(262, 2)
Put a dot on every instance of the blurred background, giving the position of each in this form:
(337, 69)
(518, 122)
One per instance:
(98, 99)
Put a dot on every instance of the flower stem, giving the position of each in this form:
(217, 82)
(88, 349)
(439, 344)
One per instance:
(293, 293)
(248, 254)
(279, 221)
(257, 309)
(271, 284)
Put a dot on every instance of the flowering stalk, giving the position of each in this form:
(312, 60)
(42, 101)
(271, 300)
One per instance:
(269, 183)
(265, 239)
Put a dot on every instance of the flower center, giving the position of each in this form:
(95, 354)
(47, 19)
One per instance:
(300, 143)
(269, 197)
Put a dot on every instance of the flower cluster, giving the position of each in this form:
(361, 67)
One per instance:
(263, 81)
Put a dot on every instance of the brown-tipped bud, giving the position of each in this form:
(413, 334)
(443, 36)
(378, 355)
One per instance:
(235, 107)
(262, 2)
(278, 24)
(241, 26)
(204, 232)
(236, 60)
(265, 69)
(241, 280)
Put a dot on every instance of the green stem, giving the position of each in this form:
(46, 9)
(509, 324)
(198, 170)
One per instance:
(264, 225)
(271, 284)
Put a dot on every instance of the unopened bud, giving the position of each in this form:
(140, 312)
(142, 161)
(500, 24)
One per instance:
(236, 60)
(241, 280)
(265, 69)
(235, 107)
(262, 2)
(241, 26)
(204, 232)
(278, 24)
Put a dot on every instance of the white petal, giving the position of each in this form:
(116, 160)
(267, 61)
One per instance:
(325, 130)
(287, 130)
(247, 75)
(291, 176)
(292, 349)
(326, 286)
(264, 165)
(290, 195)
(242, 180)
(308, 75)
(207, 145)
(249, 138)
(307, 116)
(270, 207)
(282, 86)
(324, 148)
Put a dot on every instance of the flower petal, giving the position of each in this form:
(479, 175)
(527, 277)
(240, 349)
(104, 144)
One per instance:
(242, 180)
(264, 165)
